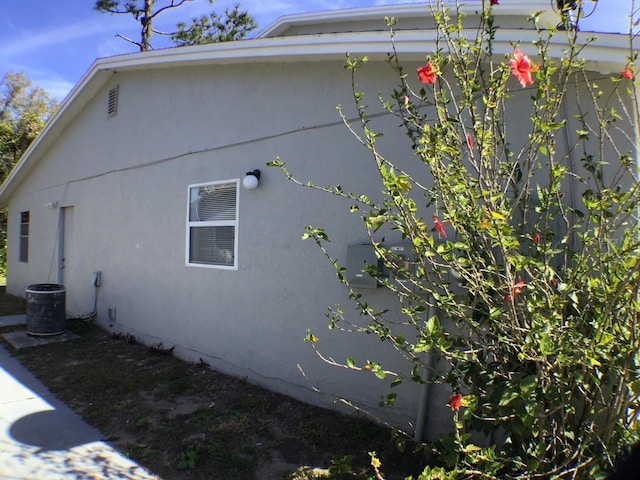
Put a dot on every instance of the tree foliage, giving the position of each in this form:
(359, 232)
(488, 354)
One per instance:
(232, 25)
(526, 280)
(24, 110)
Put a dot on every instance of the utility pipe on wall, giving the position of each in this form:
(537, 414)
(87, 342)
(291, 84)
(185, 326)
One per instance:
(423, 401)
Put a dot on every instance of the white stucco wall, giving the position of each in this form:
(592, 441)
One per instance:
(123, 182)
(126, 178)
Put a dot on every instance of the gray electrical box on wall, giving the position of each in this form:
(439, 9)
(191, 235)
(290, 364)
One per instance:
(406, 260)
(358, 257)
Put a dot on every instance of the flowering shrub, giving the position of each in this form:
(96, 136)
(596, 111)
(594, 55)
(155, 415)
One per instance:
(531, 258)
(455, 402)
(522, 68)
(427, 74)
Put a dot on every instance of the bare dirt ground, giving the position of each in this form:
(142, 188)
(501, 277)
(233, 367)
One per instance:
(186, 421)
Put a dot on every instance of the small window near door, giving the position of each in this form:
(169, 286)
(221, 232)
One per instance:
(212, 223)
(24, 236)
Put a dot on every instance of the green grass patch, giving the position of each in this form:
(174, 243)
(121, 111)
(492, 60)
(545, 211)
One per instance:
(10, 304)
(185, 421)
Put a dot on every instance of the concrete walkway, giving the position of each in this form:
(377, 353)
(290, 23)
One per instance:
(43, 439)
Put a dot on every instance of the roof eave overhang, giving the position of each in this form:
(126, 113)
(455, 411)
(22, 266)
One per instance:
(518, 8)
(607, 54)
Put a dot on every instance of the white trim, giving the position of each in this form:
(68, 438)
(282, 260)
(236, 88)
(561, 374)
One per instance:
(607, 55)
(235, 224)
(412, 45)
(520, 8)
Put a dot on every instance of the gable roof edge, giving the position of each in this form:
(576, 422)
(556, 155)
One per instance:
(520, 8)
(607, 55)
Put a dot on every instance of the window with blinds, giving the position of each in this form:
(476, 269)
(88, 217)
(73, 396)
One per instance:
(212, 225)
(24, 237)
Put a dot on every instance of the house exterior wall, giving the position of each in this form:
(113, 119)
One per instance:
(123, 185)
(126, 179)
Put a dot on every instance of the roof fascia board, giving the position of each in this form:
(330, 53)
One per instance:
(75, 101)
(522, 8)
(610, 47)
(606, 55)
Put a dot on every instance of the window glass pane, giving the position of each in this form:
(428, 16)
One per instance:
(24, 249)
(23, 255)
(212, 245)
(213, 203)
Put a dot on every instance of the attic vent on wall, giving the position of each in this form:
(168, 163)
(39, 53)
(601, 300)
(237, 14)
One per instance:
(112, 102)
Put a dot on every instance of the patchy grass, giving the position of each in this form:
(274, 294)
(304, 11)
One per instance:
(187, 421)
(9, 304)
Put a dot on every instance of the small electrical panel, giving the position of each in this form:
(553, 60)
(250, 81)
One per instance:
(405, 259)
(358, 258)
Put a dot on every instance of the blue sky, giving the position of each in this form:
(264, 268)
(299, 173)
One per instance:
(54, 42)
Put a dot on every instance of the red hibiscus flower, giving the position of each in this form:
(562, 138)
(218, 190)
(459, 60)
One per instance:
(494, 2)
(517, 288)
(439, 227)
(521, 68)
(535, 238)
(469, 140)
(427, 74)
(455, 402)
(627, 74)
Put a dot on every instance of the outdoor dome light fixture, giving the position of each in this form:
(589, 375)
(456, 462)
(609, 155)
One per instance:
(251, 179)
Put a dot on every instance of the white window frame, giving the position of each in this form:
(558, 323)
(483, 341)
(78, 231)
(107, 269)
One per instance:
(215, 223)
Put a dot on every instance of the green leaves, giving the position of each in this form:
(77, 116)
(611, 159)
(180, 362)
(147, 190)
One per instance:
(316, 233)
(24, 109)
(526, 304)
(232, 25)
(310, 338)
(354, 63)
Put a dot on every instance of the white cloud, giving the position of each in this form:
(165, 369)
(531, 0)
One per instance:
(29, 41)
(52, 83)
(55, 87)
